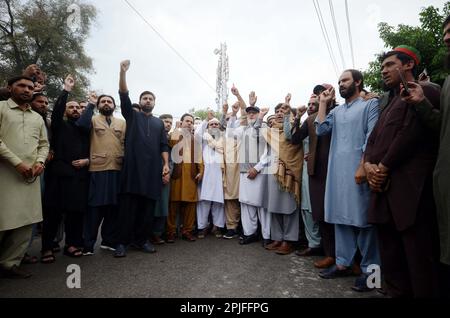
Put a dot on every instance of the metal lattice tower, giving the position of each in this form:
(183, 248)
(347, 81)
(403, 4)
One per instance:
(223, 74)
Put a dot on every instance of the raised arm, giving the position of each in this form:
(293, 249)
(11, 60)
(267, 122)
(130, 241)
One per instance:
(125, 102)
(60, 105)
(85, 121)
(324, 123)
(428, 114)
(236, 93)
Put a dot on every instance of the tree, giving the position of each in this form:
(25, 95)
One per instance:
(427, 38)
(203, 113)
(50, 33)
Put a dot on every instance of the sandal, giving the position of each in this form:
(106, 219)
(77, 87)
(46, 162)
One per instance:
(48, 258)
(76, 253)
(29, 260)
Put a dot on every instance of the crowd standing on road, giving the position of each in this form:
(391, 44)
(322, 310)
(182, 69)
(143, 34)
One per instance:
(361, 184)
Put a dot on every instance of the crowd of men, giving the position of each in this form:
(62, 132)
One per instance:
(364, 182)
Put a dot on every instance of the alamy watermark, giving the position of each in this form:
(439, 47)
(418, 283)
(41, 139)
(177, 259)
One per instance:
(74, 279)
(74, 19)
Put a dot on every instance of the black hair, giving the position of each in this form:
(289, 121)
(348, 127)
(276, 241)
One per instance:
(165, 116)
(15, 79)
(186, 115)
(278, 106)
(103, 96)
(404, 58)
(147, 93)
(38, 95)
(136, 106)
(357, 76)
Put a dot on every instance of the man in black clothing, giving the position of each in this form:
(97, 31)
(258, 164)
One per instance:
(67, 178)
(143, 170)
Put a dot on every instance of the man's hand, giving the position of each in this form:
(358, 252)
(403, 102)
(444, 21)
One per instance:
(301, 111)
(416, 94)
(38, 169)
(69, 83)
(125, 66)
(199, 178)
(328, 96)
(92, 98)
(235, 91)
(286, 109)
(79, 164)
(307, 157)
(252, 174)
(263, 113)
(166, 179)
(225, 108)
(361, 175)
(166, 170)
(25, 170)
(288, 99)
(236, 108)
(39, 88)
(253, 99)
(211, 115)
(370, 96)
(375, 177)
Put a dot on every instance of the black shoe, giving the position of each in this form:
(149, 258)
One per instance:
(88, 252)
(249, 239)
(231, 234)
(266, 243)
(310, 252)
(15, 273)
(334, 272)
(361, 284)
(148, 248)
(121, 251)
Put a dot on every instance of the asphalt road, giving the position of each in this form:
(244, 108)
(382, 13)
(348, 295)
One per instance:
(210, 268)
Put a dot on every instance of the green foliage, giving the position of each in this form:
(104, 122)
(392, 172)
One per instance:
(203, 113)
(37, 32)
(427, 38)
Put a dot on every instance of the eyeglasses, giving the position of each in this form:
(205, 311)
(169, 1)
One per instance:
(217, 125)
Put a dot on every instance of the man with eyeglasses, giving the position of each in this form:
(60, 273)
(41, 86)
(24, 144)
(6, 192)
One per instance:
(211, 188)
(23, 150)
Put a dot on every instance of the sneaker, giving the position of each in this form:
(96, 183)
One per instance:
(88, 252)
(231, 234)
(107, 248)
(120, 252)
(148, 248)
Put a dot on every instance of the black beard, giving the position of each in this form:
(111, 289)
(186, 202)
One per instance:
(106, 112)
(147, 109)
(350, 92)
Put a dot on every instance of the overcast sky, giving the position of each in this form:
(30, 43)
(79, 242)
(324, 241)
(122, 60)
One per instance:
(275, 47)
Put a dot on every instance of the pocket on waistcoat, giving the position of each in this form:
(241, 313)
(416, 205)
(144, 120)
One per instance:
(98, 159)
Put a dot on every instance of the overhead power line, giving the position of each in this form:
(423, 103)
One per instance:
(338, 38)
(325, 36)
(169, 45)
(350, 32)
